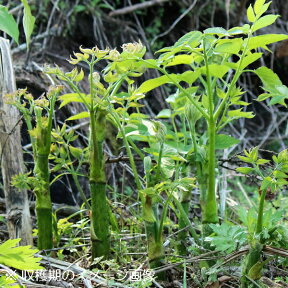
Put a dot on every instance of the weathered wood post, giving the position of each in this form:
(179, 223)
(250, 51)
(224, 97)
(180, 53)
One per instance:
(17, 205)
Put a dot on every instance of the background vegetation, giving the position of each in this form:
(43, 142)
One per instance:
(183, 260)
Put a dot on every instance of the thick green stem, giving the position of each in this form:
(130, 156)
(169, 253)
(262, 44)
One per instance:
(44, 221)
(100, 221)
(100, 235)
(43, 203)
(259, 226)
(210, 212)
(254, 256)
(154, 238)
(182, 235)
(210, 215)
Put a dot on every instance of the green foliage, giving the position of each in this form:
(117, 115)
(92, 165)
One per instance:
(8, 282)
(178, 150)
(28, 21)
(21, 257)
(8, 23)
(226, 237)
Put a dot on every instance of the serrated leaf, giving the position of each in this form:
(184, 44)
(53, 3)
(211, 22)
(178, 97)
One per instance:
(266, 183)
(216, 70)
(263, 97)
(250, 14)
(239, 30)
(244, 170)
(84, 114)
(262, 161)
(258, 6)
(189, 76)
(21, 257)
(224, 141)
(76, 152)
(239, 114)
(263, 40)
(28, 21)
(181, 59)
(74, 97)
(245, 159)
(268, 77)
(280, 174)
(190, 38)
(231, 46)
(273, 85)
(227, 237)
(264, 22)
(8, 24)
(250, 59)
(216, 30)
(153, 83)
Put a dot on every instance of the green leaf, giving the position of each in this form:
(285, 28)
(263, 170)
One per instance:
(216, 30)
(263, 40)
(21, 257)
(250, 14)
(191, 38)
(240, 114)
(258, 5)
(239, 30)
(181, 59)
(76, 152)
(227, 237)
(8, 24)
(244, 170)
(280, 174)
(262, 161)
(231, 46)
(28, 21)
(263, 97)
(245, 159)
(189, 76)
(264, 22)
(165, 113)
(84, 114)
(153, 83)
(223, 141)
(216, 70)
(255, 271)
(273, 85)
(74, 97)
(147, 165)
(268, 77)
(249, 60)
(266, 183)
(167, 166)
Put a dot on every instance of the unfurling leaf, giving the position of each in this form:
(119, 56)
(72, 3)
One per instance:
(28, 21)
